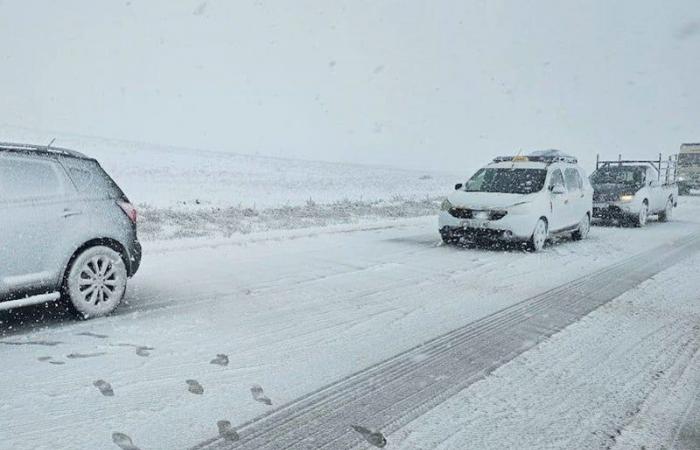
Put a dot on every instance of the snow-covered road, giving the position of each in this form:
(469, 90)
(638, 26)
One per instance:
(292, 311)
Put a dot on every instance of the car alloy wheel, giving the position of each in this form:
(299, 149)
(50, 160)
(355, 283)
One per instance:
(96, 281)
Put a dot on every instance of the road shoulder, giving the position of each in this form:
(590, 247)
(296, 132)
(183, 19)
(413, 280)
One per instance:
(624, 376)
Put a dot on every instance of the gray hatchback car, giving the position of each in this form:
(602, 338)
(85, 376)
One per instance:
(68, 231)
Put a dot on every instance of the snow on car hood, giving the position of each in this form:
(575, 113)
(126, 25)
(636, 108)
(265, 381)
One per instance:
(485, 200)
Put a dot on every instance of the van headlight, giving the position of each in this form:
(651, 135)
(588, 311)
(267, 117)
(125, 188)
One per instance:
(446, 205)
(626, 198)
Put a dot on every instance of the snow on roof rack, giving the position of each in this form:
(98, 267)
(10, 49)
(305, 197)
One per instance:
(545, 156)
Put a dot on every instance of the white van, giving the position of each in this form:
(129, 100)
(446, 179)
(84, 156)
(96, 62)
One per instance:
(520, 198)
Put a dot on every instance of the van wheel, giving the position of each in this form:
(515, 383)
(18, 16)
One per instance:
(665, 215)
(641, 219)
(583, 228)
(96, 281)
(539, 236)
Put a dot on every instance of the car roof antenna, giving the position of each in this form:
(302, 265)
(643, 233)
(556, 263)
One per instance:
(50, 143)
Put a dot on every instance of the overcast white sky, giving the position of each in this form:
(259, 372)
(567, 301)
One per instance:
(434, 84)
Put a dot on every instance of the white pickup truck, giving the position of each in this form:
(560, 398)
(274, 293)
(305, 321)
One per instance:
(633, 190)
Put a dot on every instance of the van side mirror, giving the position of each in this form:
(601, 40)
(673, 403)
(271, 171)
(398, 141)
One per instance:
(558, 189)
(458, 186)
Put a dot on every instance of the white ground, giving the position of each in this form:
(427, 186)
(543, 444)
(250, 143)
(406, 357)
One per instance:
(294, 311)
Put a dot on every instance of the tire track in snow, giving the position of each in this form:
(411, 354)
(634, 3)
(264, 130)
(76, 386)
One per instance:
(392, 393)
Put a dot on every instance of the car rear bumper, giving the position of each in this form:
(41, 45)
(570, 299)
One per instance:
(134, 256)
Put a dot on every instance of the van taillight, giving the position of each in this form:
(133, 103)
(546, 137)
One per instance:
(129, 210)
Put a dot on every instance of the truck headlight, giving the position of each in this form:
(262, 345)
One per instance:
(446, 205)
(626, 198)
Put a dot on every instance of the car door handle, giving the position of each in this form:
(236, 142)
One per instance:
(70, 212)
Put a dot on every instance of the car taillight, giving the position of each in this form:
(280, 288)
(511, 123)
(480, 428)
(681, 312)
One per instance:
(129, 210)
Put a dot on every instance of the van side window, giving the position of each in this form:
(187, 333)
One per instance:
(573, 180)
(556, 179)
(29, 179)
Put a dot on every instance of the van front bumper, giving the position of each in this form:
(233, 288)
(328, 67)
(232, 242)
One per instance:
(508, 228)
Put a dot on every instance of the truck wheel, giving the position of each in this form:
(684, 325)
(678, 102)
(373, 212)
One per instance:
(665, 215)
(641, 220)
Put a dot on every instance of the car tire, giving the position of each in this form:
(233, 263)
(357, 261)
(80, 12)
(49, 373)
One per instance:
(95, 282)
(640, 220)
(583, 228)
(667, 213)
(539, 236)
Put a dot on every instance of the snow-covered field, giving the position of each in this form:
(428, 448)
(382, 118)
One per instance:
(195, 193)
(292, 311)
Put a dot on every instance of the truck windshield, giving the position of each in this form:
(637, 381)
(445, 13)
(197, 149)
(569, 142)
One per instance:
(507, 181)
(689, 159)
(618, 175)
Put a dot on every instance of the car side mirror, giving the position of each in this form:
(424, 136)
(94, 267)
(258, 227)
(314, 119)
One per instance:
(558, 189)
(458, 186)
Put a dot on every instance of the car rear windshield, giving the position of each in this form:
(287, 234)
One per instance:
(507, 181)
(618, 175)
(91, 180)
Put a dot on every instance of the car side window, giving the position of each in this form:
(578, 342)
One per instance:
(29, 179)
(572, 180)
(557, 178)
(89, 178)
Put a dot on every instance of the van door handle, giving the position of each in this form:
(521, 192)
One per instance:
(70, 212)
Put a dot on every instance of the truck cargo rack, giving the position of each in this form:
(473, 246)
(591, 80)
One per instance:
(667, 167)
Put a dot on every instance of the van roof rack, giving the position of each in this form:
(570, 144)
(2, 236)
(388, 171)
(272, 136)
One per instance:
(545, 156)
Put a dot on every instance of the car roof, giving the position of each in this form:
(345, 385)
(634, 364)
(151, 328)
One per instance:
(45, 149)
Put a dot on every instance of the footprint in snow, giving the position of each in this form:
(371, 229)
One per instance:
(194, 387)
(226, 431)
(123, 441)
(91, 334)
(141, 350)
(259, 395)
(84, 355)
(144, 351)
(221, 360)
(104, 387)
(50, 360)
(373, 437)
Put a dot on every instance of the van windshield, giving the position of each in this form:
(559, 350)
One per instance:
(507, 181)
